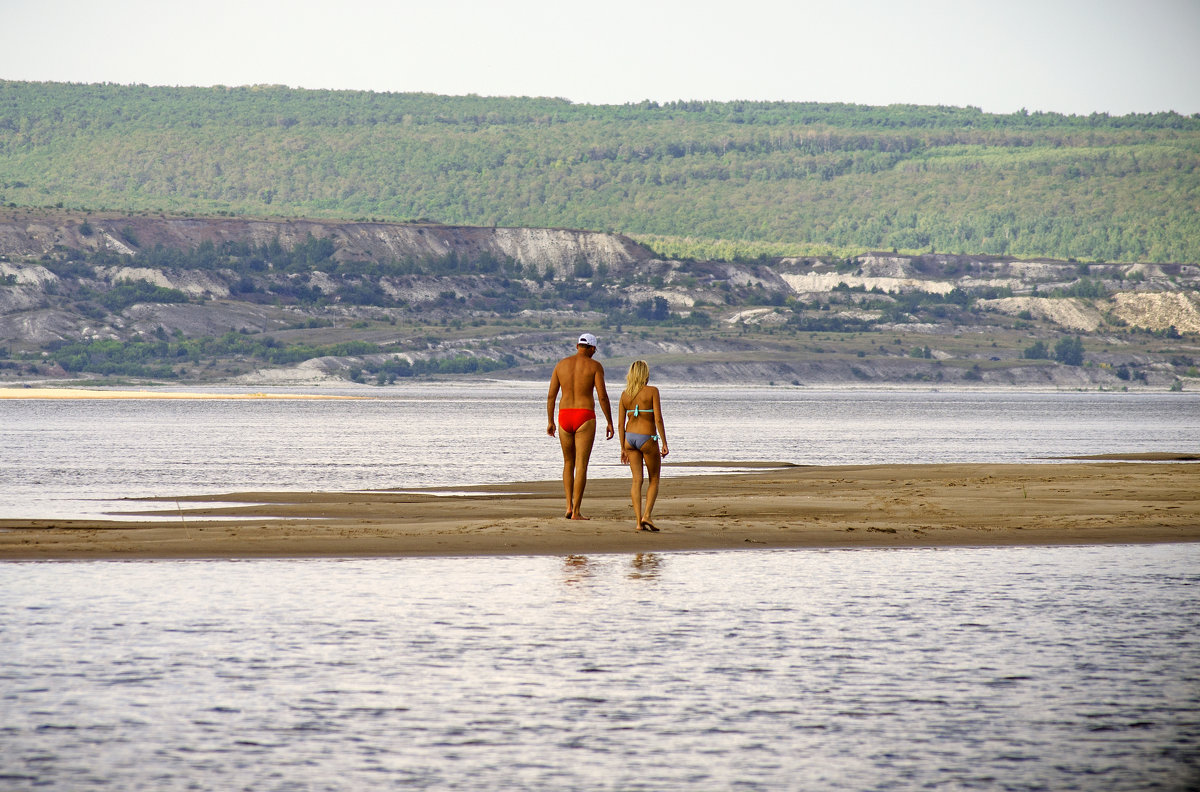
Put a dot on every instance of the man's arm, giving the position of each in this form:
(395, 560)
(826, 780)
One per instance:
(550, 397)
(602, 395)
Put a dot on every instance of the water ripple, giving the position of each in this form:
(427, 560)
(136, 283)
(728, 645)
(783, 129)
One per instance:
(833, 670)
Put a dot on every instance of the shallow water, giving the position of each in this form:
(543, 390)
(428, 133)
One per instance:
(1071, 668)
(73, 458)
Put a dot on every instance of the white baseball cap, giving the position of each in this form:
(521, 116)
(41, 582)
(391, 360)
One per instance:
(587, 339)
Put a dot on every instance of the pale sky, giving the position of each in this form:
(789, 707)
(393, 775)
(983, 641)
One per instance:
(1069, 56)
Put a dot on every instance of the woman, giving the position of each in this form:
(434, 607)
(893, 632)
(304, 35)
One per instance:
(639, 443)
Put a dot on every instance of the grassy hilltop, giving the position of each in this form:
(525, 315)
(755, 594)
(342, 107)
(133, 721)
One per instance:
(705, 180)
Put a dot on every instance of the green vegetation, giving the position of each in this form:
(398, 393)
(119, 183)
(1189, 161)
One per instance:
(126, 293)
(1069, 350)
(697, 180)
(1039, 351)
(391, 369)
(1085, 287)
(170, 359)
(159, 358)
(731, 250)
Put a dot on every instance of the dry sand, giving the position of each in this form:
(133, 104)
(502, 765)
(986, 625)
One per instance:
(1094, 502)
(95, 393)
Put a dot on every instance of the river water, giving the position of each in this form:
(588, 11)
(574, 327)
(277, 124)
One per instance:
(73, 458)
(1039, 668)
(1064, 668)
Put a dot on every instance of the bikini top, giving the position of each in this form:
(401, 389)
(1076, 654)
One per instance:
(638, 410)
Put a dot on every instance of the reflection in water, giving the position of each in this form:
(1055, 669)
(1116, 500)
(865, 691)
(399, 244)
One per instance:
(580, 569)
(1017, 668)
(646, 566)
(576, 569)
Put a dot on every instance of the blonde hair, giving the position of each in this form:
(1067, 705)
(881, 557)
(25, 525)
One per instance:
(636, 379)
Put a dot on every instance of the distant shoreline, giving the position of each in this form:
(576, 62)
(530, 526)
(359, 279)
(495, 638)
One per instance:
(89, 393)
(266, 390)
(899, 506)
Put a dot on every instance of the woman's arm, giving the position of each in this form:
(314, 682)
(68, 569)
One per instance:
(658, 422)
(621, 408)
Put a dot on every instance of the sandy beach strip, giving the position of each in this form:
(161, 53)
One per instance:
(939, 505)
(95, 393)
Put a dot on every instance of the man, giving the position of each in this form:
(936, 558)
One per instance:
(577, 377)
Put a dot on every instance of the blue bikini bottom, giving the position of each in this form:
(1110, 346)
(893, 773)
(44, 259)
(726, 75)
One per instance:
(636, 441)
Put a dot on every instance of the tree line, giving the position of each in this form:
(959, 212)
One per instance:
(166, 358)
(741, 177)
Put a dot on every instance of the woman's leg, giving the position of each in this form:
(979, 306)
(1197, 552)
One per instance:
(635, 490)
(653, 468)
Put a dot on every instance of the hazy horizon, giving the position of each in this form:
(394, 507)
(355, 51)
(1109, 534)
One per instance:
(1065, 56)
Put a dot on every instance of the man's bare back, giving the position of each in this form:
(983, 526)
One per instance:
(579, 377)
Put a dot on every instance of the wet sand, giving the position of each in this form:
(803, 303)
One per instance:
(96, 393)
(1097, 502)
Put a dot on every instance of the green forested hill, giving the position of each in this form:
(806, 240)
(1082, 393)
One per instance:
(696, 179)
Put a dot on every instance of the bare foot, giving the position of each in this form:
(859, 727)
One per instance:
(578, 516)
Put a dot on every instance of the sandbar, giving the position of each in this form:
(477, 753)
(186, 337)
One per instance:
(94, 393)
(772, 506)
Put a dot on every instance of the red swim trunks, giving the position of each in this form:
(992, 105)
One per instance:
(571, 418)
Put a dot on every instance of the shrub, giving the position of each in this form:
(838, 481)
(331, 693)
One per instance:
(126, 293)
(1069, 350)
(1037, 352)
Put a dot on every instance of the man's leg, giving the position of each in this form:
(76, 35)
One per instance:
(567, 441)
(584, 437)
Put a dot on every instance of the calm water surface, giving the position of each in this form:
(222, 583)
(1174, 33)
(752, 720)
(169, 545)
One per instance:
(1072, 668)
(73, 458)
